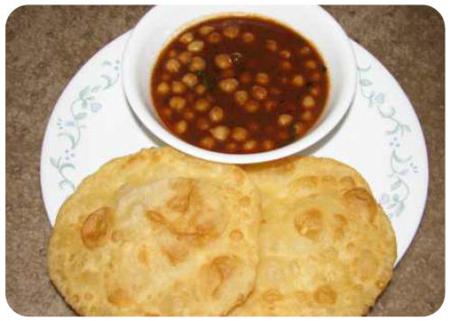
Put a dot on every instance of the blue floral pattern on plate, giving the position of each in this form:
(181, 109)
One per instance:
(393, 201)
(70, 128)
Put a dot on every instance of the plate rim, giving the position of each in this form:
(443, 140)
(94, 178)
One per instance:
(45, 141)
(422, 143)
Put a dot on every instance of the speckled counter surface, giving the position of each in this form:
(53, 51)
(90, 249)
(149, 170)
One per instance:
(47, 45)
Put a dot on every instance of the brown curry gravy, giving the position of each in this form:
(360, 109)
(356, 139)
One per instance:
(239, 85)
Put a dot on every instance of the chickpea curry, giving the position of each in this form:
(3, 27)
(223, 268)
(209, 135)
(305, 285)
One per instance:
(239, 85)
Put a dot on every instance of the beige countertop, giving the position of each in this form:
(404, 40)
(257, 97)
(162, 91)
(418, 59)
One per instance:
(46, 45)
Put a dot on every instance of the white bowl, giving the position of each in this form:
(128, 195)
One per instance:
(162, 23)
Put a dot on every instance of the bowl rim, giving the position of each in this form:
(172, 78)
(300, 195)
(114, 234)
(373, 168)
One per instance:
(156, 128)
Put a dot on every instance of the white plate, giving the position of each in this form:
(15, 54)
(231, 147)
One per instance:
(380, 136)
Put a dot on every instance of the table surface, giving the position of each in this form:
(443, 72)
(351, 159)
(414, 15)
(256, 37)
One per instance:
(46, 45)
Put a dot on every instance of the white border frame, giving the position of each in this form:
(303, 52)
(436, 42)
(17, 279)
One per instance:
(7, 7)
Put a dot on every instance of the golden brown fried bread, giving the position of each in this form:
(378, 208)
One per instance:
(326, 247)
(157, 233)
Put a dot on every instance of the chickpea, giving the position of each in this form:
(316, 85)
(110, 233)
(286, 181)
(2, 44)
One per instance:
(223, 61)
(228, 85)
(203, 124)
(190, 80)
(286, 54)
(308, 102)
(178, 87)
(239, 134)
(241, 97)
(307, 116)
(268, 144)
(220, 132)
(251, 106)
(304, 51)
(259, 93)
(163, 88)
(270, 105)
(214, 37)
(196, 46)
(231, 31)
(207, 142)
(185, 57)
(197, 64)
(202, 105)
(315, 91)
(200, 89)
(298, 80)
(205, 30)
(181, 127)
(249, 145)
(262, 78)
(248, 37)
(172, 53)
(177, 103)
(236, 57)
(186, 38)
(188, 115)
(316, 76)
(216, 114)
(271, 45)
(285, 65)
(173, 65)
(299, 128)
(166, 112)
(245, 77)
(231, 147)
(311, 64)
(285, 120)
